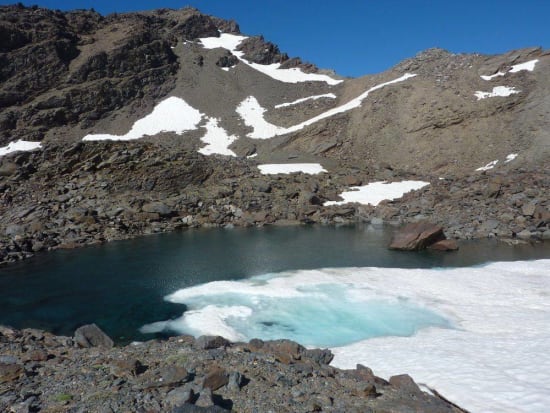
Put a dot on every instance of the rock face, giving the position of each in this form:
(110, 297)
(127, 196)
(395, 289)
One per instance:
(180, 375)
(417, 236)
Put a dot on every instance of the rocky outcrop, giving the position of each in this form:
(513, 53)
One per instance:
(43, 372)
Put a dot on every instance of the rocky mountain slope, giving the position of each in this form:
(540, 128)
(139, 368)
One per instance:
(120, 125)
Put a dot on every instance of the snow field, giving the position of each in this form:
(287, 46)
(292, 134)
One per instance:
(289, 168)
(171, 115)
(376, 192)
(502, 91)
(479, 335)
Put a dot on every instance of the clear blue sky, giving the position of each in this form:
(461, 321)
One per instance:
(357, 37)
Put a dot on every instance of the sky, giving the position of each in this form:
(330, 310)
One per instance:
(364, 37)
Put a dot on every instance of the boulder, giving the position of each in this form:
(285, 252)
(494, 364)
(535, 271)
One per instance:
(211, 342)
(90, 335)
(215, 379)
(417, 236)
(444, 245)
(405, 383)
(10, 372)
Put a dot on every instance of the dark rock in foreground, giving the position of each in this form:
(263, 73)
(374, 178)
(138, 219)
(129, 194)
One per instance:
(417, 236)
(91, 335)
(43, 372)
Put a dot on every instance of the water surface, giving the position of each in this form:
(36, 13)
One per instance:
(121, 285)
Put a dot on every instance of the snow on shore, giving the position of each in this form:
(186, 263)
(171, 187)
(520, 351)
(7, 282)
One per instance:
(376, 192)
(492, 355)
(19, 146)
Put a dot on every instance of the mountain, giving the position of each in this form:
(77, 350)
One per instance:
(120, 125)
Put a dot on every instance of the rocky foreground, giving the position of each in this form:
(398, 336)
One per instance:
(41, 372)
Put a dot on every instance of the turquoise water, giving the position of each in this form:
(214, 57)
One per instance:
(121, 285)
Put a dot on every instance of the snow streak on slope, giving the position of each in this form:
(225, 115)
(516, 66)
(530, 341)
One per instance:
(503, 91)
(288, 168)
(376, 192)
(510, 157)
(252, 113)
(170, 115)
(293, 75)
(528, 66)
(217, 140)
(490, 165)
(19, 146)
(326, 95)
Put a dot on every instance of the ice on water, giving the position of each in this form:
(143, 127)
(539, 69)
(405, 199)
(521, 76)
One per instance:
(479, 335)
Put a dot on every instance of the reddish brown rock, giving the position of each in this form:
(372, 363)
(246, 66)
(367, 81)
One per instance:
(417, 236)
(444, 245)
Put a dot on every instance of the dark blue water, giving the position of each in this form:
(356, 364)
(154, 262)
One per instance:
(121, 285)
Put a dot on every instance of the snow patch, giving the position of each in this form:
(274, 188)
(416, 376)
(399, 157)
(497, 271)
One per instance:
(171, 115)
(529, 66)
(294, 75)
(511, 157)
(217, 140)
(498, 74)
(490, 165)
(326, 95)
(289, 168)
(503, 91)
(253, 116)
(376, 192)
(252, 113)
(19, 146)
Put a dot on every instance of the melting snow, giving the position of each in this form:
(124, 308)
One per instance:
(497, 91)
(19, 146)
(171, 115)
(252, 113)
(495, 358)
(217, 139)
(511, 157)
(376, 192)
(529, 66)
(490, 165)
(288, 168)
(293, 75)
(326, 95)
